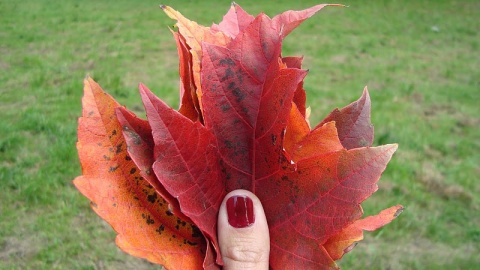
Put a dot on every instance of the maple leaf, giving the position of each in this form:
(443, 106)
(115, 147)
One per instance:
(346, 240)
(193, 35)
(353, 121)
(186, 161)
(235, 21)
(242, 123)
(110, 179)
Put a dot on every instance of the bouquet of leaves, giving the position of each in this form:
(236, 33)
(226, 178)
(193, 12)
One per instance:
(242, 124)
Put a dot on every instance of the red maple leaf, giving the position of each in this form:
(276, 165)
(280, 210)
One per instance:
(242, 123)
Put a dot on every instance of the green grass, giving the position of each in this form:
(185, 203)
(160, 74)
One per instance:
(420, 60)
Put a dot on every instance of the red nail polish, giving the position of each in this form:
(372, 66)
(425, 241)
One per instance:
(240, 211)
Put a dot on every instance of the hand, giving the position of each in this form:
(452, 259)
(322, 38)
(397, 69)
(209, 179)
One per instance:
(243, 232)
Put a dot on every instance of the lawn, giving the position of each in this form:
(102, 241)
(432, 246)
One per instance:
(420, 60)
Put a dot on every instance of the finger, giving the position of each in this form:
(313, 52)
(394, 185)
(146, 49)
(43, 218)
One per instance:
(243, 232)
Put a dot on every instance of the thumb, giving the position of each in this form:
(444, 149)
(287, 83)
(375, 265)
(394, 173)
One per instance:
(243, 232)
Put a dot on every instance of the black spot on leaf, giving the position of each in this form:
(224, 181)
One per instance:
(152, 197)
(227, 62)
(196, 231)
(119, 148)
(160, 229)
(238, 94)
(228, 74)
(150, 220)
(191, 243)
(225, 107)
(228, 144)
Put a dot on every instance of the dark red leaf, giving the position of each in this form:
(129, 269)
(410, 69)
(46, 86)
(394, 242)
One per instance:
(186, 163)
(353, 123)
(138, 137)
(316, 198)
(247, 101)
(247, 115)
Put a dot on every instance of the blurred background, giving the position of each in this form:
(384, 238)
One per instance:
(419, 59)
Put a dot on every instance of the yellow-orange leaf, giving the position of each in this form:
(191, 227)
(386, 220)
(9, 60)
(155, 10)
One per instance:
(194, 34)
